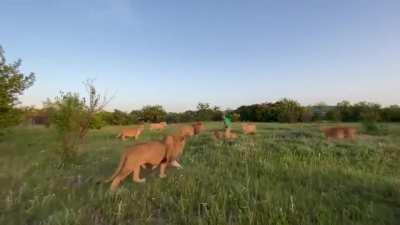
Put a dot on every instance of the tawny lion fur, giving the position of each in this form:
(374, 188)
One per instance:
(175, 146)
(198, 128)
(186, 131)
(340, 132)
(155, 153)
(131, 132)
(158, 126)
(220, 135)
(249, 128)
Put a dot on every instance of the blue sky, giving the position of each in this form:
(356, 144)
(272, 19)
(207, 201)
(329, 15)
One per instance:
(226, 52)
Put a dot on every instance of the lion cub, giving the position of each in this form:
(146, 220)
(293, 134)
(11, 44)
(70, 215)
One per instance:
(131, 133)
(155, 153)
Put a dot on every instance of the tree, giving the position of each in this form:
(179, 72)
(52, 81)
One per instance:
(391, 113)
(12, 84)
(289, 111)
(333, 115)
(119, 117)
(320, 111)
(344, 111)
(204, 112)
(207, 113)
(135, 116)
(154, 114)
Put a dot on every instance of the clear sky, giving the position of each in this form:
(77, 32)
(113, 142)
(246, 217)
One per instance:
(225, 52)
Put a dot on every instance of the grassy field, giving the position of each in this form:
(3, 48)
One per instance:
(286, 174)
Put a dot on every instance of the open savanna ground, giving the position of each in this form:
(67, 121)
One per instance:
(285, 174)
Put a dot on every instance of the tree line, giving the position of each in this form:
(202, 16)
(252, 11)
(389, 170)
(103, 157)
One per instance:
(284, 111)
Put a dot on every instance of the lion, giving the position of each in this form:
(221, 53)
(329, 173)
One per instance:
(350, 133)
(175, 146)
(131, 132)
(221, 135)
(340, 132)
(249, 128)
(198, 127)
(187, 131)
(158, 126)
(154, 153)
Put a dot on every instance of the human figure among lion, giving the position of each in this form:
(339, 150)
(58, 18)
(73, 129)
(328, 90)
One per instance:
(227, 124)
(227, 133)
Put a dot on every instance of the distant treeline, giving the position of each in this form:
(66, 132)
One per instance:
(285, 111)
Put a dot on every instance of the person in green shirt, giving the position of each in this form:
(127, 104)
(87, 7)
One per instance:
(227, 123)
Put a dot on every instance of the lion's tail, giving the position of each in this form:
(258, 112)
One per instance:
(120, 166)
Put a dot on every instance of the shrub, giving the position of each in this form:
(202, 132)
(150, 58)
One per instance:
(67, 120)
(73, 118)
(370, 124)
(374, 128)
(97, 122)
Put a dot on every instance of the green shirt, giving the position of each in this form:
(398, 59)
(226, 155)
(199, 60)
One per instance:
(227, 121)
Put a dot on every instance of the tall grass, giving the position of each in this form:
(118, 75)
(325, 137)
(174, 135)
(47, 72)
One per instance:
(285, 174)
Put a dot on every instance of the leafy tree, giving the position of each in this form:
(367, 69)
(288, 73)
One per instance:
(345, 112)
(289, 111)
(391, 113)
(154, 114)
(204, 112)
(12, 84)
(173, 117)
(136, 116)
(188, 116)
(333, 115)
(306, 115)
(320, 111)
(119, 117)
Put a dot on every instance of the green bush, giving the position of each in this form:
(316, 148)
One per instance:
(97, 122)
(374, 128)
(74, 116)
(68, 119)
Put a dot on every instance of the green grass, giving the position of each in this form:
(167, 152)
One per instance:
(286, 174)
